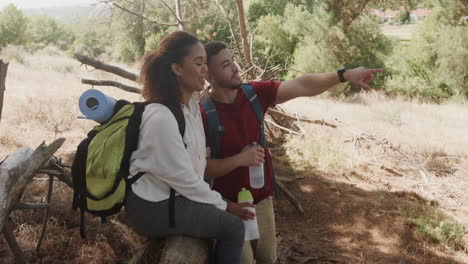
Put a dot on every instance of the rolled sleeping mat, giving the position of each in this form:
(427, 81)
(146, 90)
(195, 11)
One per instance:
(97, 106)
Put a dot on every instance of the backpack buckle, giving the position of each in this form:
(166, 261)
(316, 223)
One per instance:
(221, 130)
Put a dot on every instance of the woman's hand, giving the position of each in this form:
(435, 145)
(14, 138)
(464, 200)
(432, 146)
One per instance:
(251, 156)
(241, 211)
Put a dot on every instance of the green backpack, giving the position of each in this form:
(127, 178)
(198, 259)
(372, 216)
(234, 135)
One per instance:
(101, 165)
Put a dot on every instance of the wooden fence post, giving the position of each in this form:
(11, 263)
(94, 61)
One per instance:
(3, 72)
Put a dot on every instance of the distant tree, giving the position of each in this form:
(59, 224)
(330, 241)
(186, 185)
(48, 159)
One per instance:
(45, 31)
(13, 25)
(89, 43)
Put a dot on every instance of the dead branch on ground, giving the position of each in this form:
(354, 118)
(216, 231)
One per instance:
(16, 171)
(290, 197)
(273, 111)
(106, 67)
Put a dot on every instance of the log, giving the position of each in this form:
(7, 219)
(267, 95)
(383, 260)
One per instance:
(122, 86)
(173, 250)
(184, 250)
(107, 67)
(17, 170)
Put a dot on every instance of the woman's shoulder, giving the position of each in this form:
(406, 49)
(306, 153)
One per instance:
(158, 113)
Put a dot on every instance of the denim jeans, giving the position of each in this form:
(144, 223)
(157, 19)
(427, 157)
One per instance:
(192, 219)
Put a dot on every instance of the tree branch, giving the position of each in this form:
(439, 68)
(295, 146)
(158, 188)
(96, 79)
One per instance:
(177, 13)
(145, 18)
(112, 83)
(284, 128)
(290, 196)
(25, 206)
(11, 241)
(231, 27)
(106, 67)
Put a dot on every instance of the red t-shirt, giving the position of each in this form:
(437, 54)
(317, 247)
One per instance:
(241, 128)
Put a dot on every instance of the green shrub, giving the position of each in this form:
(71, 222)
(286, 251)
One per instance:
(433, 225)
(13, 26)
(330, 47)
(46, 31)
(435, 63)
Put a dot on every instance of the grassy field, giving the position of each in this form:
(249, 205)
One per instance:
(387, 185)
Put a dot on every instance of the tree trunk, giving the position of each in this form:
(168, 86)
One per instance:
(231, 27)
(3, 72)
(179, 15)
(245, 41)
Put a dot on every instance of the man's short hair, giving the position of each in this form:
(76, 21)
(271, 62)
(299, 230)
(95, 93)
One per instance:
(213, 48)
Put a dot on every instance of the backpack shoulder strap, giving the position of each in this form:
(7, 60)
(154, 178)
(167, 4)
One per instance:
(215, 129)
(257, 107)
(179, 116)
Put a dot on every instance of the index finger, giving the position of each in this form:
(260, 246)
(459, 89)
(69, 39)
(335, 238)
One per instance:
(375, 70)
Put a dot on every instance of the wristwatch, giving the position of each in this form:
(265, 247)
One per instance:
(341, 72)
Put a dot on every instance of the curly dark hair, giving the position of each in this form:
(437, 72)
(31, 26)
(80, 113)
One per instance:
(213, 48)
(159, 82)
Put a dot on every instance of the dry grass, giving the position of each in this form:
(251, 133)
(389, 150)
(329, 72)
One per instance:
(40, 101)
(416, 127)
(392, 145)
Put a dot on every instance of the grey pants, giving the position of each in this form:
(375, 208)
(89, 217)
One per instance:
(192, 219)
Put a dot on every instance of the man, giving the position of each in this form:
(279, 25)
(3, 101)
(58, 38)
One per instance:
(241, 128)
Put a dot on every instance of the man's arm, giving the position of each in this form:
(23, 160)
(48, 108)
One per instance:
(317, 83)
(250, 155)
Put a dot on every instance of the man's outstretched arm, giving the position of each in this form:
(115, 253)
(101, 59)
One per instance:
(317, 83)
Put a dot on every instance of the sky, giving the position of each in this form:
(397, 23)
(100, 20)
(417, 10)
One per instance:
(45, 3)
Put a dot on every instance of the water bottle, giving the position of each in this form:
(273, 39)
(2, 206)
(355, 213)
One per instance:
(256, 174)
(251, 226)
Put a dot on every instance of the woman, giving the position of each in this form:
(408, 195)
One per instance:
(172, 74)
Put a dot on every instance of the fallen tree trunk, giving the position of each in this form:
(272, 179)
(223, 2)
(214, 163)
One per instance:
(17, 170)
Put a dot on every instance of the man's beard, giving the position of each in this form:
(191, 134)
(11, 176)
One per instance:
(234, 87)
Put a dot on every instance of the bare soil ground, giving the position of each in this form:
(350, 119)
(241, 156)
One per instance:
(360, 184)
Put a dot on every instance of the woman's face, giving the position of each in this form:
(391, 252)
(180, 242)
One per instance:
(191, 72)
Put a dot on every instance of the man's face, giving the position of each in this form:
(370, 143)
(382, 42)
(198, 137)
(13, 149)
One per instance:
(223, 71)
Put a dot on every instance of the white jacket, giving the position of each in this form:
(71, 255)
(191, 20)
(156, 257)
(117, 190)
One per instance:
(162, 155)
